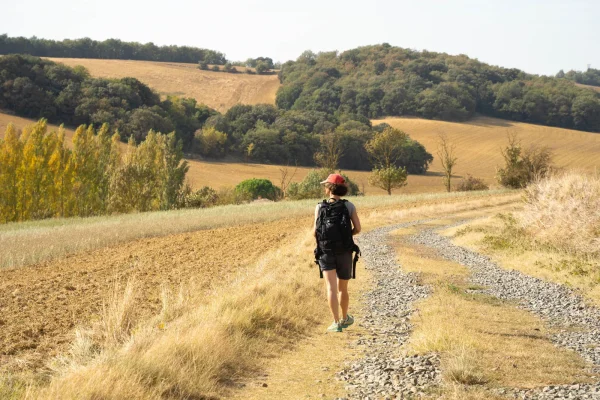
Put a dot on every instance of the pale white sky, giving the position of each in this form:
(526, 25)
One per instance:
(538, 36)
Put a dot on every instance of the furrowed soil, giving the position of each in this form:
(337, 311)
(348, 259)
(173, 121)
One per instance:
(40, 305)
(218, 90)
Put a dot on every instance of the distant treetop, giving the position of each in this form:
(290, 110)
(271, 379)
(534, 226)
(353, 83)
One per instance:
(590, 77)
(108, 49)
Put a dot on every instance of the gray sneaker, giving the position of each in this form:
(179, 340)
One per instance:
(348, 321)
(335, 327)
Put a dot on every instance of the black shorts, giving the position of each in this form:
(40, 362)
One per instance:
(340, 262)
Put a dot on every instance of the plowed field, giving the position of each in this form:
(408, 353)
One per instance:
(41, 304)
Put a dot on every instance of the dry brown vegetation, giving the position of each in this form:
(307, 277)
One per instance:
(563, 211)
(553, 236)
(482, 341)
(232, 310)
(218, 90)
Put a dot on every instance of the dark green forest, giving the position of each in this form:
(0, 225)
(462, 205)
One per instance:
(590, 77)
(37, 88)
(295, 136)
(382, 80)
(107, 49)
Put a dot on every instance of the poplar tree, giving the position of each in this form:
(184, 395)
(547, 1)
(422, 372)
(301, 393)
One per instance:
(11, 153)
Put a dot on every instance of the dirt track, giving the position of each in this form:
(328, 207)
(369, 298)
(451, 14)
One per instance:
(41, 304)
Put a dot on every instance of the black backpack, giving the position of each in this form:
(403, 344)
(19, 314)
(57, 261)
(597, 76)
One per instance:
(334, 232)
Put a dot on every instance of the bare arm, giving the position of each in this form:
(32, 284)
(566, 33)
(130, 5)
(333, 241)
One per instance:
(355, 222)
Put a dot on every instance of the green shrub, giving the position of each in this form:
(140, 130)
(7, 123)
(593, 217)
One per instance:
(203, 65)
(215, 68)
(253, 189)
(311, 188)
(201, 198)
(470, 183)
(229, 68)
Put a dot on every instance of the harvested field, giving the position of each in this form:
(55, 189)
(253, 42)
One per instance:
(478, 143)
(596, 88)
(218, 90)
(42, 304)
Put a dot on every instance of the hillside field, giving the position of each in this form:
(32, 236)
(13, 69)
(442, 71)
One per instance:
(218, 90)
(478, 143)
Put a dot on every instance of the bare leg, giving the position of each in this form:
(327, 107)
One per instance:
(344, 297)
(332, 290)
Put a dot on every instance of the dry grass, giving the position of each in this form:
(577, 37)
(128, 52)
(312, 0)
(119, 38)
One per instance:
(511, 251)
(482, 340)
(203, 345)
(218, 90)
(32, 242)
(596, 88)
(213, 344)
(478, 143)
(563, 211)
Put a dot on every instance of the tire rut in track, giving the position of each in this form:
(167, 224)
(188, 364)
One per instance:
(384, 372)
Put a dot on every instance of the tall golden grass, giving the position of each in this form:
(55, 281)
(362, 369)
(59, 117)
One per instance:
(563, 211)
(201, 353)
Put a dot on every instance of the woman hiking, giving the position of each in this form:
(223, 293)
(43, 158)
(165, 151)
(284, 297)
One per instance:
(336, 221)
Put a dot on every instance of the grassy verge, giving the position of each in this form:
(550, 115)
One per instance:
(203, 347)
(483, 342)
(37, 241)
(509, 246)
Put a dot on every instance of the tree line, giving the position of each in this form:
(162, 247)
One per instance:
(266, 134)
(107, 49)
(589, 77)
(382, 80)
(37, 88)
(41, 177)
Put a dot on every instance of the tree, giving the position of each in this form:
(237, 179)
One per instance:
(388, 178)
(447, 158)
(331, 151)
(258, 188)
(385, 148)
(286, 178)
(249, 151)
(262, 67)
(211, 142)
(11, 153)
(523, 167)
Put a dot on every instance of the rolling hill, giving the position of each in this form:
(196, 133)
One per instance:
(478, 144)
(479, 140)
(218, 90)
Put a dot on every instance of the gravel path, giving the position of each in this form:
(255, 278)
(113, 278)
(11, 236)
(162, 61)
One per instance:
(384, 373)
(578, 324)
